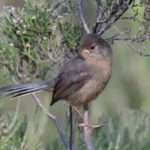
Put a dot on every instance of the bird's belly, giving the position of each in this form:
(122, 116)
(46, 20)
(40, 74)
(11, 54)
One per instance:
(89, 91)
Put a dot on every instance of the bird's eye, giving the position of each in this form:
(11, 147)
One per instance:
(92, 47)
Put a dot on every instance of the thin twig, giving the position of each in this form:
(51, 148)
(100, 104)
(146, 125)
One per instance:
(86, 28)
(101, 16)
(97, 16)
(87, 129)
(71, 142)
(116, 37)
(122, 8)
(56, 121)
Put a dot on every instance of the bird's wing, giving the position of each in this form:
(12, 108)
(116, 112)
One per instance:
(72, 77)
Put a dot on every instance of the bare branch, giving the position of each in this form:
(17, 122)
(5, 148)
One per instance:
(112, 16)
(87, 129)
(72, 130)
(86, 28)
(56, 121)
(116, 37)
(97, 16)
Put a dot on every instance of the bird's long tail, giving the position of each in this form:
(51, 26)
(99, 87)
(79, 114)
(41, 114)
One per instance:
(18, 90)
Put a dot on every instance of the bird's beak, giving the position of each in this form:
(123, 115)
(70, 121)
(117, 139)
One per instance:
(85, 53)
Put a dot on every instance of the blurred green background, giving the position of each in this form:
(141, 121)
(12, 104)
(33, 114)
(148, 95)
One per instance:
(128, 89)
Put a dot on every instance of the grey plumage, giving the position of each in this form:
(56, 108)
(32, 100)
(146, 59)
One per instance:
(27, 88)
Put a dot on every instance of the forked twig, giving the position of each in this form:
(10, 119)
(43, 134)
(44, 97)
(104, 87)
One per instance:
(114, 14)
(56, 121)
(116, 37)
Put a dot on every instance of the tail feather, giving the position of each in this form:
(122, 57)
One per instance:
(23, 89)
(18, 90)
(26, 91)
(18, 86)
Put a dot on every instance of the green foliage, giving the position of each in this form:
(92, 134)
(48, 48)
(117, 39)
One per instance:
(14, 134)
(129, 130)
(30, 139)
(31, 36)
(9, 129)
(71, 34)
(56, 144)
(35, 34)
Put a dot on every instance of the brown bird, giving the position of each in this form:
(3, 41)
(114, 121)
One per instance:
(79, 81)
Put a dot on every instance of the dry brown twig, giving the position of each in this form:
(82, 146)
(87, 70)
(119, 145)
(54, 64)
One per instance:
(54, 119)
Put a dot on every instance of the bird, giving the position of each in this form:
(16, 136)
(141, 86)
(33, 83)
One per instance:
(80, 80)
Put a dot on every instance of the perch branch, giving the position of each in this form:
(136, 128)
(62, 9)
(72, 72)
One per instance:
(72, 131)
(56, 121)
(87, 129)
(82, 17)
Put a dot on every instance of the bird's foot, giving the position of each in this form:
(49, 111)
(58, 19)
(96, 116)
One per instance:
(85, 122)
(82, 125)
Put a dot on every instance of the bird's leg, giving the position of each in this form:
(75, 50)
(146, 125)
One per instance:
(87, 129)
(85, 118)
(78, 112)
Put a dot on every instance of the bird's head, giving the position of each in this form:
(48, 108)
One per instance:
(93, 45)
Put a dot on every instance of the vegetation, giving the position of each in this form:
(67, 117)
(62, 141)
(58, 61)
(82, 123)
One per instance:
(40, 37)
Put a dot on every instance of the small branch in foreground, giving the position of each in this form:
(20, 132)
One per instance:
(87, 129)
(82, 17)
(56, 121)
(72, 131)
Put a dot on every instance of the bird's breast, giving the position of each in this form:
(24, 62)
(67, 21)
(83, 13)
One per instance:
(100, 73)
